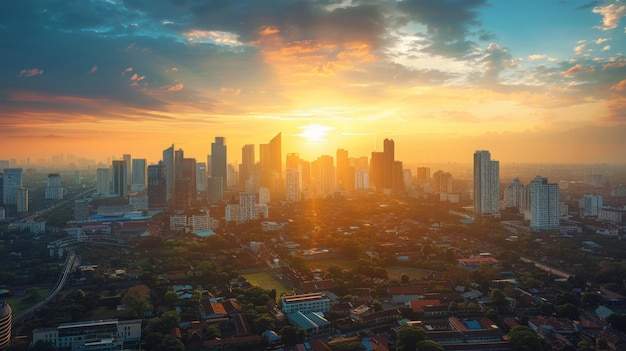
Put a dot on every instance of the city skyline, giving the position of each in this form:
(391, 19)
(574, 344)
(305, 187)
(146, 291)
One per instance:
(441, 78)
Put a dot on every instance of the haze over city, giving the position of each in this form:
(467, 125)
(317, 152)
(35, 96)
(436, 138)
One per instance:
(532, 81)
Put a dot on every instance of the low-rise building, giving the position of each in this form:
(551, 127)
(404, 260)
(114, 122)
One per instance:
(109, 334)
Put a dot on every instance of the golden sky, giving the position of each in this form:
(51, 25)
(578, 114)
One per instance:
(440, 77)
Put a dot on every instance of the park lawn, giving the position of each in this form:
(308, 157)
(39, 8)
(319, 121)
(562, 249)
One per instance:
(17, 306)
(266, 281)
(101, 313)
(395, 272)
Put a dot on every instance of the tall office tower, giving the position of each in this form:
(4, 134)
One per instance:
(182, 200)
(388, 160)
(514, 195)
(594, 179)
(232, 176)
(441, 182)
(590, 205)
(22, 200)
(119, 178)
(168, 162)
(360, 163)
(324, 175)
(103, 181)
(397, 177)
(247, 164)
(77, 179)
(54, 190)
(343, 170)
(11, 182)
(218, 159)
(138, 174)
(189, 171)
(4, 164)
(423, 176)
(128, 165)
(407, 178)
(157, 187)
(6, 316)
(543, 212)
(270, 162)
(179, 156)
(376, 174)
(215, 190)
(486, 184)
(292, 185)
(201, 176)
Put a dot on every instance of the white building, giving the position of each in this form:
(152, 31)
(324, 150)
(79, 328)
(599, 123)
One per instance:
(103, 181)
(293, 183)
(362, 179)
(138, 174)
(514, 195)
(314, 302)
(264, 195)
(590, 205)
(109, 334)
(543, 200)
(54, 190)
(486, 184)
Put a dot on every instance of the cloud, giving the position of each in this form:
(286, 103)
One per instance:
(601, 40)
(172, 70)
(611, 14)
(577, 69)
(31, 72)
(230, 91)
(176, 87)
(579, 48)
(621, 86)
(127, 70)
(93, 69)
(606, 48)
(537, 57)
(496, 60)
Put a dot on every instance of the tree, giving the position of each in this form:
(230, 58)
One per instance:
(498, 297)
(211, 332)
(525, 339)
(568, 310)
(171, 298)
(170, 343)
(584, 346)
(591, 299)
(429, 345)
(404, 278)
(408, 337)
(292, 335)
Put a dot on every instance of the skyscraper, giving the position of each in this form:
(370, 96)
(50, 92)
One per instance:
(543, 212)
(6, 316)
(486, 184)
(201, 176)
(168, 162)
(343, 165)
(11, 182)
(218, 158)
(54, 190)
(128, 165)
(271, 163)
(388, 163)
(157, 187)
(103, 181)
(138, 174)
(119, 178)
(514, 195)
(247, 164)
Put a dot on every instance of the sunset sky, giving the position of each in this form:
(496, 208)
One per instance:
(529, 80)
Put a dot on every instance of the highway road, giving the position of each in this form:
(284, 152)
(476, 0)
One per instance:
(71, 262)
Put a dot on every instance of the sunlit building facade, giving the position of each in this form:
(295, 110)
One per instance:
(486, 184)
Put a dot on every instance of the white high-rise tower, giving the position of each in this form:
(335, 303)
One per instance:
(486, 184)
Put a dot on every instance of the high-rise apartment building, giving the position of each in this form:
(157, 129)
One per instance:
(54, 190)
(22, 200)
(486, 184)
(12, 181)
(441, 182)
(139, 174)
(157, 187)
(376, 174)
(4, 164)
(543, 201)
(6, 316)
(292, 185)
(590, 205)
(343, 170)
(388, 163)
(201, 176)
(119, 178)
(324, 175)
(103, 181)
(514, 195)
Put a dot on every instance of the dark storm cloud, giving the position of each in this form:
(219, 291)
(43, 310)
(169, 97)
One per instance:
(448, 22)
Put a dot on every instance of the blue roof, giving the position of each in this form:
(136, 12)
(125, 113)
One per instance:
(472, 325)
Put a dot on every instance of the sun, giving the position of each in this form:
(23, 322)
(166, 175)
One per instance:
(314, 132)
